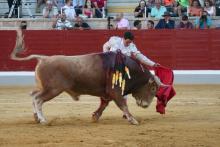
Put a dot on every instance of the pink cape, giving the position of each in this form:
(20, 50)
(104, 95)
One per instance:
(164, 94)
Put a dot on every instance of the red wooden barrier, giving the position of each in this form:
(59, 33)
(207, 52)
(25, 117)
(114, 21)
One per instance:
(178, 49)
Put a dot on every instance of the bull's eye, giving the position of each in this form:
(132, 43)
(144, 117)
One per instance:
(153, 89)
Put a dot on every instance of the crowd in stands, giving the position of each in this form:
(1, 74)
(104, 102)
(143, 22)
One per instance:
(85, 8)
(65, 12)
(177, 8)
(166, 22)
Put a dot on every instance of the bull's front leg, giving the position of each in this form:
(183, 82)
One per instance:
(122, 104)
(98, 113)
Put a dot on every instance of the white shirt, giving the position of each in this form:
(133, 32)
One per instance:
(210, 10)
(116, 43)
(63, 25)
(123, 23)
(158, 13)
(70, 12)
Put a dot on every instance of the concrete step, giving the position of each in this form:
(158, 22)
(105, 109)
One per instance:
(123, 6)
(123, 1)
(119, 9)
(126, 15)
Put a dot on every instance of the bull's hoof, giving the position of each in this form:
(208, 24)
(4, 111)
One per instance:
(43, 122)
(124, 116)
(134, 121)
(36, 118)
(95, 117)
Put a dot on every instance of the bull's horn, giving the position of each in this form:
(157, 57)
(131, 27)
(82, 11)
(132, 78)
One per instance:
(159, 83)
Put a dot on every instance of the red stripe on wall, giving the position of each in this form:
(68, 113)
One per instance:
(178, 49)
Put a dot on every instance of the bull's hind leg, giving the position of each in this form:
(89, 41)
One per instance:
(98, 113)
(38, 99)
(33, 93)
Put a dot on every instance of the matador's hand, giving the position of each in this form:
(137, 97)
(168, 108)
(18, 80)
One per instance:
(156, 65)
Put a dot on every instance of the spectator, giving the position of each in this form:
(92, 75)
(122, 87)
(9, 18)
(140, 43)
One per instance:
(182, 7)
(10, 2)
(185, 23)
(81, 25)
(195, 9)
(141, 9)
(137, 25)
(157, 11)
(217, 7)
(204, 22)
(150, 4)
(175, 10)
(39, 3)
(208, 6)
(43, 2)
(50, 11)
(168, 4)
(15, 11)
(122, 23)
(78, 5)
(69, 10)
(165, 23)
(60, 4)
(88, 9)
(150, 24)
(62, 23)
(100, 6)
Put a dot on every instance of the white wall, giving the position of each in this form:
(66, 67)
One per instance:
(181, 77)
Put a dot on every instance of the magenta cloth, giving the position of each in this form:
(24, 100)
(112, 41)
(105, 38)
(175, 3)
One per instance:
(164, 94)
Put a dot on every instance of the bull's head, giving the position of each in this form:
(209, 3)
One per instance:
(145, 94)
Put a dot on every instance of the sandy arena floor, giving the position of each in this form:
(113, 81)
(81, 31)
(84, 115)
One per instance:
(192, 120)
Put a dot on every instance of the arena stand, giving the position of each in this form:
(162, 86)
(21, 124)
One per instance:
(113, 6)
(193, 54)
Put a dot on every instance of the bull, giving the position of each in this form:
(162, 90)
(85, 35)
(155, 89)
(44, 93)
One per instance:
(86, 74)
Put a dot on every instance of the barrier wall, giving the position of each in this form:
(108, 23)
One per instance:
(178, 49)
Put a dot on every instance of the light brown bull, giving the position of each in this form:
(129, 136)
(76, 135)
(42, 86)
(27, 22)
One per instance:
(85, 74)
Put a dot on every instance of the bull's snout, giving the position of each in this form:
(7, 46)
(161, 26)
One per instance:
(143, 104)
(138, 102)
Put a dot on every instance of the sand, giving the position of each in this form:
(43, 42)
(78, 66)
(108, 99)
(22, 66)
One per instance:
(192, 120)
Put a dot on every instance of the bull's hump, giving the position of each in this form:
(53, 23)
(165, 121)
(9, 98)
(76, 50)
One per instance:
(71, 58)
(82, 64)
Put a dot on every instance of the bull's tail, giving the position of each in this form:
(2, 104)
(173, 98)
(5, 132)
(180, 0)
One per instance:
(19, 47)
